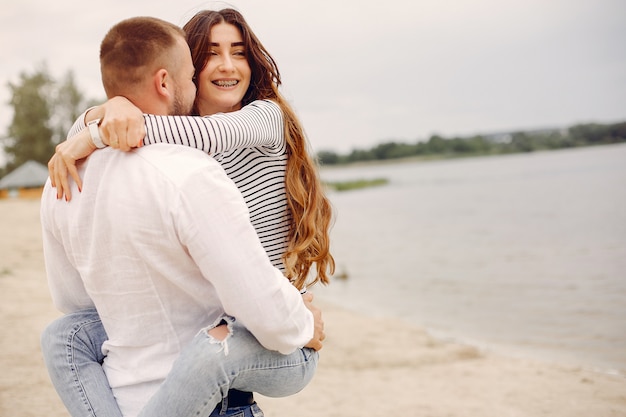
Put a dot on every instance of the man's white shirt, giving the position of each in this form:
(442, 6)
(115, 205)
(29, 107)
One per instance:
(160, 242)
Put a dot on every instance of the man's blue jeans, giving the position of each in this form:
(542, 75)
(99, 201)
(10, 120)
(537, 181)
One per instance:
(197, 383)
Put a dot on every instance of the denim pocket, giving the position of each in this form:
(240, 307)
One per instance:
(252, 410)
(309, 354)
(256, 410)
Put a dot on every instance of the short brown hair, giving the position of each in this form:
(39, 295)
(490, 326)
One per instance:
(131, 49)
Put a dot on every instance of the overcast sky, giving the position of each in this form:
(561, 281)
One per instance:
(361, 72)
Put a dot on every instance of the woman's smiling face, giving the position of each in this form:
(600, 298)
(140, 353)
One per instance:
(224, 80)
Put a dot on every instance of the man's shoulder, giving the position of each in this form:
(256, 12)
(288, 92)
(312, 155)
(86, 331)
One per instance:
(177, 162)
(178, 157)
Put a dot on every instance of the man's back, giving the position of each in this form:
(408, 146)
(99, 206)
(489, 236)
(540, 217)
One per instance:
(153, 239)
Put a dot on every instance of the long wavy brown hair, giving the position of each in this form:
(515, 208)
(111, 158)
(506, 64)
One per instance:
(311, 212)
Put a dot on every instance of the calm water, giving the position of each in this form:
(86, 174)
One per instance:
(524, 253)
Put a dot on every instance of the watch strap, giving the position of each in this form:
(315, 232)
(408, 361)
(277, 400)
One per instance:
(94, 132)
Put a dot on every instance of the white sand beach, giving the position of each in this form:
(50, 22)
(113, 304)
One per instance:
(368, 366)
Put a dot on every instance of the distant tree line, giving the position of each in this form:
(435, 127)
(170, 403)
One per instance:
(521, 141)
(44, 109)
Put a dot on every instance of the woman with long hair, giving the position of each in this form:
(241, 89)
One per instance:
(245, 123)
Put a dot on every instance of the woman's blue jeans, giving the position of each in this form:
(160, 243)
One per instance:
(198, 382)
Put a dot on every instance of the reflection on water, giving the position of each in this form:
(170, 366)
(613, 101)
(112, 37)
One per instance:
(521, 252)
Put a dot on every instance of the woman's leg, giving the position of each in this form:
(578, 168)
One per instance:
(209, 367)
(71, 347)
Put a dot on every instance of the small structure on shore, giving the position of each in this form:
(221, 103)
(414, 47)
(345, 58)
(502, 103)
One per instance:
(26, 181)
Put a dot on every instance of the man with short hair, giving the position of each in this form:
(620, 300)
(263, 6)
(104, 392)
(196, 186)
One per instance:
(159, 239)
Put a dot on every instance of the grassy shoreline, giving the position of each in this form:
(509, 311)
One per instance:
(356, 184)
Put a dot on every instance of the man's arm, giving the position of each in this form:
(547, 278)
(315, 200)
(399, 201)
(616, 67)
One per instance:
(66, 286)
(212, 221)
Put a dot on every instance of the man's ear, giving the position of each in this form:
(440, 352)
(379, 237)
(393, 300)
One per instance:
(163, 83)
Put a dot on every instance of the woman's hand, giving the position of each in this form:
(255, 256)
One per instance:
(122, 124)
(64, 160)
(122, 127)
